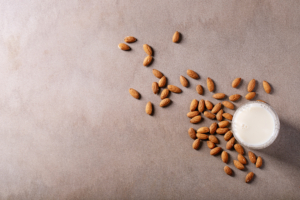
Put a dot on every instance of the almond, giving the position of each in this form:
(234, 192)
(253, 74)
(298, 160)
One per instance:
(210, 144)
(230, 143)
(162, 82)
(134, 93)
(249, 177)
(175, 38)
(213, 139)
(147, 49)
(215, 151)
(174, 88)
(209, 105)
(155, 87)
(129, 39)
(219, 96)
(223, 124)
(216, 108)
(227, 135)
(242, 159)
(203, 130)
(224, 157)
(196, 144)
(196, 119)
(199, 89)
(251, 85)
(228, 170)
(219, 115)
(250, 95)
(184, 82)
(239, 149)
(201, 105)
(209, 115)
(202, 136)
(147, 61)
(192, 114)
(236, 82)
(164, 94)
(228, 104)
(261, 101)
(258, 162)
(157, 73)
(124, 47)
(213, 128)
(234, 97)
(210, 85)
(252, 157)
(222, 130)
(267, 87)
(227, 116)
(164, 102)
(192, 74)
(192, 133)
(238, 165)
(194, 105)
(149, 108)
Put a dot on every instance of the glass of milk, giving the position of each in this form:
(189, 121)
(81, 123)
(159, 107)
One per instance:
(255, 125)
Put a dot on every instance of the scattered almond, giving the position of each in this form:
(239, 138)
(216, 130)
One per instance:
(210, 144)
(249, 177)
(147, 49)
(176, 36)
(239, 149)
(234, 97)
(209, 115)
(219, 96)
(219, 115)
(192, 133)
(258, 162)
(162, 82)
(267, 87)
(124, 47)
(227, 116)
(129, 39)
(147, 61)
(199, 89)
(184, 82)
(196, 144)
(149, 108)
(202, 136)
(250, 95)
(227, 135)
(216, 108)
(201, 105)
(209, 105)
(164, 94)
(157, 73)
(194, 105)
(196, 119)
(224, 157)
(155, 87)
(238, 165)
(228, 104)
(203, 130)
(192, 74)
(251, 85)
(221, 130)
(242, 159)
(210, 84)
(215, 151)
(213, 127)
(192, 114)
(223, 124)
(236, 82)
(213, 139)
(164, 102)
(230, 143)
(252, 157)
(228, 170)
(134, 93)
(261, 101)
(174, 88)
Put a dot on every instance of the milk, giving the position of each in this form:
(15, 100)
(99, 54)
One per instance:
(255, 125)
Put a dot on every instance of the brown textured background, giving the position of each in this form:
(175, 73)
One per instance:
(70, 129)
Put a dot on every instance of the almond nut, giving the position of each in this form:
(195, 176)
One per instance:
(236, 82)
(267, 87)
(261, 101)
(219, 96)
(194, 105)
(196, 119)
(155, 87)
(216, 108)
(250, 95)
(210, 85)
(227, 116)
(230, 143)
(201, 105)
(149, 108)
(252, 157)
(223, 124)
(258, 162)
(242, 159)
(251, 85)
(175, 37)
(209, 105)
(224, 157)
(129, 39)
(219, 115)
(228, 104)
(213, 128)
(192, 114)
(227, 135)
(183, 81)
(157, 73)
(249, 177)
(209, 115)
(234, 97)
(192, 133)
(124, 47)
(147, 49)
(134, 93)
(222, 130)
(199, 89)
(238, 165)
(210, 144)
(196, 144)
(202, 136)
(239, 149)
(174, 88)
(213, 139)
(162, 82)
(164, 94)
(215, 151)
(147, 61)
(228, 170)
(203, 130)
(192, 74)
(164, 102)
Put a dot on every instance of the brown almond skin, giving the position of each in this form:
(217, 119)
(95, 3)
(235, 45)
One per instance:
(242, 159)
(175, 37)
(261, 101)
(234, 97)
(222, 130)
(174, 89)
(203, 130)
(155, 87)
(208, 105)
(228, 104)
(134, 93)
(210, 84)
(223, 124)
(164, 94)
(227, 135)
(251, 85)
(213, 139)
(124, 47)
(148, 108)
(129, 39)
(239, 149)
(250, 95)
(227, 116)
(194, 105)
(228, 170)
(219, 96)
(209, 115)
(252, 157)
(210, 144)
(192, 114)
(196, 144)
(165, 102)
(267, 87)
(215, 151)
(157, 73)
(162, 82)
(219, 115)
(192, 74)
(199, 89)
(196, 119)
(201, 105)
(249, 177)
(192, 133)
(224, 157)
(213, 127)
(147, 61)
(147, 49)
(216, 108)
(202, 136)
(230, 143)
(238, 165)
(184, 82)
(258, 162)
(236, 82)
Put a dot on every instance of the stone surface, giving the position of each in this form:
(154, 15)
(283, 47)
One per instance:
(71, 130)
